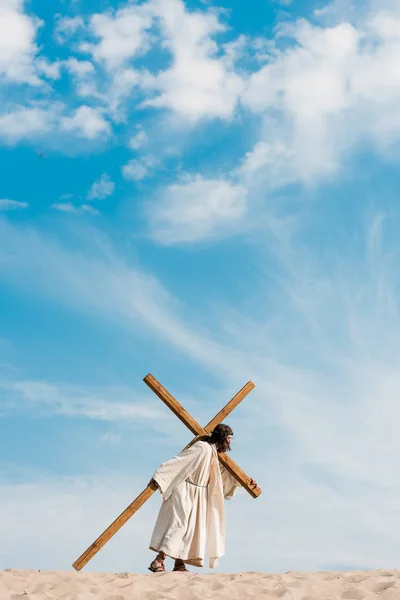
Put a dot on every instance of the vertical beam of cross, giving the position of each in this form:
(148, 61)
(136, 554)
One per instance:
(150, 489)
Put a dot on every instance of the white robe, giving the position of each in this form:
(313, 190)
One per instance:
(193, 485)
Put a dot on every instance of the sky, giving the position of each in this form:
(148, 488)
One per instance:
(209, 192)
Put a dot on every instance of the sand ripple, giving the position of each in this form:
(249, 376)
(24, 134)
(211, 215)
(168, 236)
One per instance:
(69, 585)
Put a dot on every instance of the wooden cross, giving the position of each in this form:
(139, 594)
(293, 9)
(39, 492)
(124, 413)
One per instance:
(198, 431)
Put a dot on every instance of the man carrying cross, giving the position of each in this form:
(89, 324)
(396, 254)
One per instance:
(195, 516)
(193, 486)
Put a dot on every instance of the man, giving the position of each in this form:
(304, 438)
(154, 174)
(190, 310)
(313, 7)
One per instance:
(193, 486)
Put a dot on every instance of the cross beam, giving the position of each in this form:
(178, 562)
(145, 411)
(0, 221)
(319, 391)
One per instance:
(195, 428)
(185, 417)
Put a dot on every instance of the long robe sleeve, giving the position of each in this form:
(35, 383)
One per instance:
(172, 473)
(229, 483)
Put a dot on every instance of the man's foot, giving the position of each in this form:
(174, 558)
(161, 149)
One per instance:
(180, 566)
(157, 566)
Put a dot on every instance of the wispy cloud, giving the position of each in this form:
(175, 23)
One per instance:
(12, 204)
(26, 543)
(68, 207)
(138, 169)
(105, 285)
(87, 121)
(65, 27)
(78, 401)
(101, 188)
(196, 209)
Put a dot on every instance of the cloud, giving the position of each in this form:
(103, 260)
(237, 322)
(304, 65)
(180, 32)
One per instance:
(41, 397)
(37, 122)
(27, 122)
(122, 35)
(317, 99)
(71, 509)
(335, 88)
(101, 188)
(138, 140)
(83, 75)
(88, 122)
(79, 68)
(12, 204)
(70, 208)
(17, 43)
(104, 285)
(199, 83)
(283, 2)
(138, 169)
(51, 70)
(195, 209)
(65, 27)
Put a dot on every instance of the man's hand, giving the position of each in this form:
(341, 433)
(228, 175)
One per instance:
(253, 483)
(154, 483)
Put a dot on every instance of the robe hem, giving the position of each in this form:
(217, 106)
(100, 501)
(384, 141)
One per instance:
(194, 562)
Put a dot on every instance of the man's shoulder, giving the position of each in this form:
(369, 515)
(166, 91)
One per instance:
(203, 446)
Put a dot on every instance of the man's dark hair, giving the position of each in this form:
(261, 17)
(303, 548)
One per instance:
(219, 437)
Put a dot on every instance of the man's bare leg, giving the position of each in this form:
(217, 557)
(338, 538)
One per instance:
(157, 565)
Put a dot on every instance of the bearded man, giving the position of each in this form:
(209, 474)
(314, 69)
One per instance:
(193, 486)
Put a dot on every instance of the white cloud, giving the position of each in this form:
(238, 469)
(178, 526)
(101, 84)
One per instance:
(42, 397)
(31, 122)
(138, 140)
(26, 122)
(12, 204)
(68, 207)
(273, 163)
(122, 35)
(138, 169)
(196, 209)
(88, 122)
(199, 83)
(337, 87)
(79, 68)
(121, 86)
(66, 27)
(17, 43)
(83, 75)
(51, 70)
(101, 188)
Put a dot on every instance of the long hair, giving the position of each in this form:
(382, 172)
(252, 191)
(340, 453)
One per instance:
(219, 436)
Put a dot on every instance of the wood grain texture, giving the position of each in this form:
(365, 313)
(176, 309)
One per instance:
(173, 405)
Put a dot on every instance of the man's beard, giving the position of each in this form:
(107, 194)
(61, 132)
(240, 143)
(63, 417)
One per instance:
(224, 446)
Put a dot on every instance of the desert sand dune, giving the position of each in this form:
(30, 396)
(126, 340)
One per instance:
(69, 585)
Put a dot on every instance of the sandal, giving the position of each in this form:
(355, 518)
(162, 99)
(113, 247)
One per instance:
(181, 567)
(157, 567)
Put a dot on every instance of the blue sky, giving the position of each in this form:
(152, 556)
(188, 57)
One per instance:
(217, 202)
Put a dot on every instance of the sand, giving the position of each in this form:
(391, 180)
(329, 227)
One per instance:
(69, 585)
